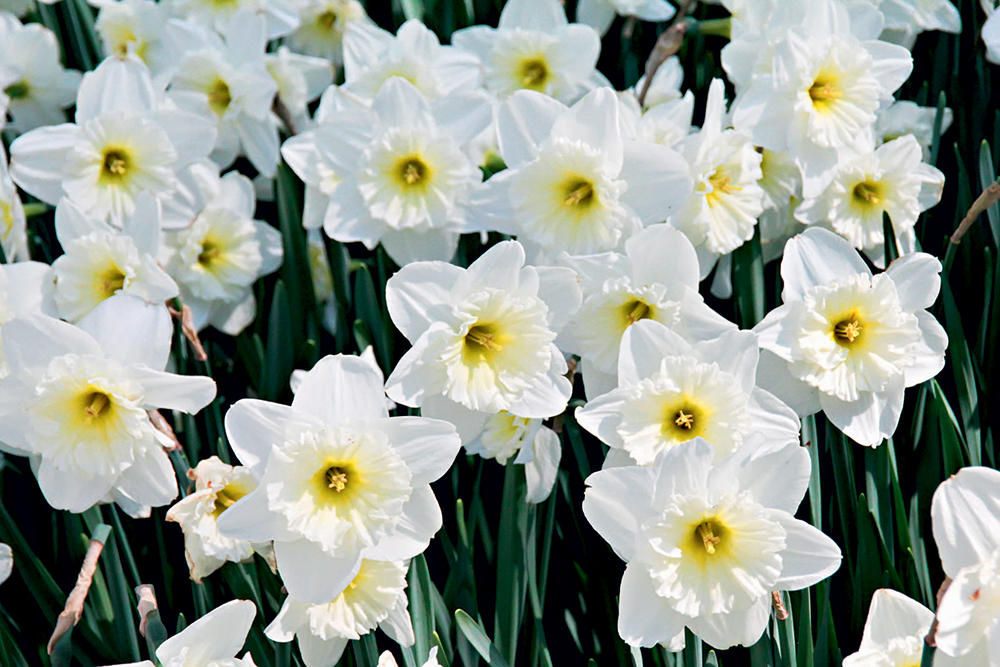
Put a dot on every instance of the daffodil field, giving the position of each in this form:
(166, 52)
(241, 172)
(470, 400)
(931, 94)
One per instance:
(513, 333)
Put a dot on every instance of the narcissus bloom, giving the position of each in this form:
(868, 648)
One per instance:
(337, 478)
(515, 440)
(76, 398)
(601, 13)
(322, 26)
(847, 342)
(894, 634)
(217, 487)
(670, 391)
(483, 336)
(13, 223)
(706, 543)
(573, 184)
(213, 639)
(965, 513)
(21, 289)
(375, 597)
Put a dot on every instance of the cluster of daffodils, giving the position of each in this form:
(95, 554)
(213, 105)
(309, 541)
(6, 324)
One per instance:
(154, 162)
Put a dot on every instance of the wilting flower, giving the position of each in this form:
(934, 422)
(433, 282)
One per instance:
(121, 145)
(670, 391)
(217, 259)
(34, 86)
(891, 181)
(620, 290)
(601, 13)
(99, 262)
(375, 597)
(846, 342)
(337, 478)
(535, 48)
(965, 513)
(393, 177)
(573, 183)
(213, 639)
(217, 487)
(76, 398)
(483, 337)
(894, 634)
(707, 544)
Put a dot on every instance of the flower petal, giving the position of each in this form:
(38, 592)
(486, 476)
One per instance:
(311, 574)
(341, 388)
(607, 505)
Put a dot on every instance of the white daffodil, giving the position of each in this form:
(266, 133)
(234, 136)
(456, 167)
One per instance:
(322, 26)
(213, 639)
(721, 212)
(372, 56)
(894, 634)
(13, 223)
(217, 487)
(225, 81)
(670, 391)
(6, 562)
(123, 143)
(21, 290)
(890, 180)
(782, 185)
(846, 342)
(904, 117)
(600, 14)
(512, 439)
(965, 514)
(386, 659)
(991, 35)
(706, 544)
(34, 86)
(573, 184)
(135, 28)
(99, 262)
(905, 19)
(375, 597)
(535, 48)
(816, 88)
(218, 258)
(76, 399)
(665, 115)
(483, 336)
(337, 478)
(621, 289)
(300, 79)
(394, 174)
(280, 17)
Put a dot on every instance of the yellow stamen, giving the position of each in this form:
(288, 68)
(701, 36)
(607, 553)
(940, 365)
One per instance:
(823, 92)
(336, 479)
(706, 531)
(639, 312)
(18, 91)
(219, 97)
(534, 73)
(847, 330)
(411, 173)
(867, 192)
(209, 252)
(684, 420)
(483, 339)
(115, 164)
(579, 193)
(327, 19)
(98, 403)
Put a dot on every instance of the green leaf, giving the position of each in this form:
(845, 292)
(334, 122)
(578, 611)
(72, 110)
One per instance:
(889, 239)
(511, 568)
(474, 632)
(279, 358)
(965, 379)
(987, 176)
(369, 311)
(421, 607)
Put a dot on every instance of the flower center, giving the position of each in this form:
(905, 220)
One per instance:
(683, 422)
(482, 343)
(824, 91)
(96, 404)
(115, 165)
(111, 282)
(412, 171)
(847, 331)
(327, 19)
(18, 90)
(868, 193)
(636, 310)
(210, 251)
(579, 193)
(227, 497)
(219, 97)
(534, 73)
(706, 532)
(336, 478)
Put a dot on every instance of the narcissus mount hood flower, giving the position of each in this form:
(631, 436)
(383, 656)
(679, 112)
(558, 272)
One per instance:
(338, 478)
(706, 543)
(847, 342)
(965, 515)
(76, 399)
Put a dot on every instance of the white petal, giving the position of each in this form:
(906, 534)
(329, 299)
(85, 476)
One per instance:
(312, 575)
(319, 652)
(218, 635)
(659, 180)
(774, 377)
(965, 513)
(598, 14)
(419, 295)
(254, 426)
(540, 473)
(341, 388)
(399, 627)
(602, 415)
(893, 615)
(809, 556)
(428, 446)
(647, 250)
(72, 491)
(777, 476)
(174, 392)
(131, 330)
(918, 280)
(37, 160)
(32, 342)
(420, 520)
(769, 415)
(742, 628)
(682, 469)
(249, 519)
(499, 268)
(644, 618)
(594, 120)
(150, 480)
(523, 122)
(609, 507)
(817, 257)
(560, 289)
(643, 347)
(926, 357)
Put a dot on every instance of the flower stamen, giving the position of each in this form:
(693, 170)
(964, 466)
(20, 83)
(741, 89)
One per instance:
(336, 479)
(478, 336)
(579, 193)
(534, 73)
(18, 90)
(684, 420)
(706, 532)
(640, 311)
(847, 331)
(96, 404)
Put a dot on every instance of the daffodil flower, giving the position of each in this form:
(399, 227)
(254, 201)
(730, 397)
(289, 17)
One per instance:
(707, 541)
